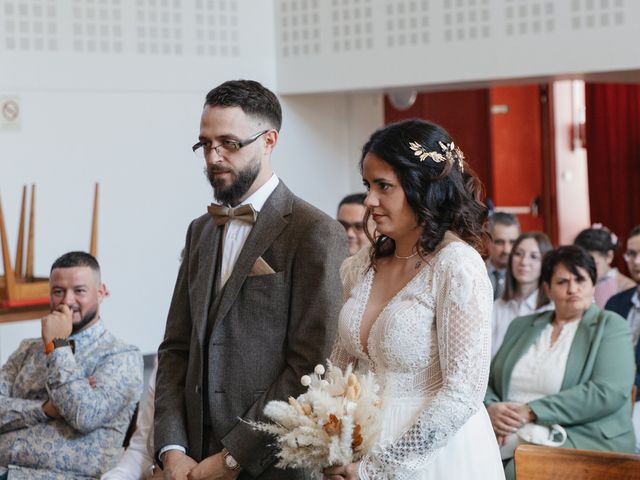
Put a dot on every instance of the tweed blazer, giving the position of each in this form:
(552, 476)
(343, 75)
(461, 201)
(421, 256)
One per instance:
(594, 403)
(267, 330)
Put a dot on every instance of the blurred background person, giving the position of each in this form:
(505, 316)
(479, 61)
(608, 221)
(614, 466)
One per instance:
(522, 294)
(627, 304)
(602, 245)
(351, 213)
(571, 366)
(504, 229)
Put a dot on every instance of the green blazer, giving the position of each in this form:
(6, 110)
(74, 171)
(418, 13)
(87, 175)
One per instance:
(594, 403)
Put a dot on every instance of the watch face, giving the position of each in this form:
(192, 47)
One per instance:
(230, 462)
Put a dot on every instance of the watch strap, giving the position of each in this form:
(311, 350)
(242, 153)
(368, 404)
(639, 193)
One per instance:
(57, 343)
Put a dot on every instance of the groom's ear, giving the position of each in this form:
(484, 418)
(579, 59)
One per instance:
(271, 139)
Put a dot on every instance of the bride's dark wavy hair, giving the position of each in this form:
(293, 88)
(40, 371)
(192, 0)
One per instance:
(442, 197)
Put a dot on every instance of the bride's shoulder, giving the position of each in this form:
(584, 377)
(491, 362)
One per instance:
(355, 266)
(454, 253)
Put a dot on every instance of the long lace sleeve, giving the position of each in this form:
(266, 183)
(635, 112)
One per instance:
(351, 273)
(463, 318)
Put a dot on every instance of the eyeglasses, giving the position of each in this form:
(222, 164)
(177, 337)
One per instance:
(630, 255)
(204, 147)
(357, 226)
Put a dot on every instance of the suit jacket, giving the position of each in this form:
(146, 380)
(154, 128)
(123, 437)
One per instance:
(593, 404)
(267, 331)
(621, 304)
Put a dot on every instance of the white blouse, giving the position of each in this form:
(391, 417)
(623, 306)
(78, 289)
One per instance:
(505, 311)
(540, 371)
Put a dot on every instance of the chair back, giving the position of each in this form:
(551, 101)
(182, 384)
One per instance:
(533, 462)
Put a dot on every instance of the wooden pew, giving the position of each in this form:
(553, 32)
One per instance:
(534, 462)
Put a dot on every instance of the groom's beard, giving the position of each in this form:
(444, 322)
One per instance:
(232, 194)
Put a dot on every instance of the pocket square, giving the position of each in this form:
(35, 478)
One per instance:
(261, 268)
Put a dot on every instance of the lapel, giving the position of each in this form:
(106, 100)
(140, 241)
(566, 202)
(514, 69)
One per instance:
(521, 345)
(207, 266)
(581, 347)
(270, 223)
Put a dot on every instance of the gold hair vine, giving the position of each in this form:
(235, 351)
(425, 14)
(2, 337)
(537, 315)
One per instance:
(451, 154)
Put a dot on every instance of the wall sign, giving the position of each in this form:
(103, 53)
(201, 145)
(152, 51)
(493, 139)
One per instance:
(10, 114)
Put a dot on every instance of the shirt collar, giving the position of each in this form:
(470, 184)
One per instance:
(258, 198)
(635, 300)
(88, 334)
(492, 268)
(531, 300)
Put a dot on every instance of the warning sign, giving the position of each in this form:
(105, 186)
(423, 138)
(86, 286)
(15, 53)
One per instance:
(9, 113)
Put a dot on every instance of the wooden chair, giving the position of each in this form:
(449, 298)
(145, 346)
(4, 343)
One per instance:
(19, 287)
(533, 462)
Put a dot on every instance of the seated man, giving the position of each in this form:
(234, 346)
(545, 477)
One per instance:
(66, 399)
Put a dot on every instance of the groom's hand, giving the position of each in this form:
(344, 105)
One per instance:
(177, 465)
(212, 468)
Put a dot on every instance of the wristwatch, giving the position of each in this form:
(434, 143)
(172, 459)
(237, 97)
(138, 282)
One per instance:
(57, 343)
(229, 462)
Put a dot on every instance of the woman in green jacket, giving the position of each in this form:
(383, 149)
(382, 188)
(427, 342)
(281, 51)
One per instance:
(572, 366)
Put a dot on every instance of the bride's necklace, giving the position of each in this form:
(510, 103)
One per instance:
(404, 258)
(401, 257)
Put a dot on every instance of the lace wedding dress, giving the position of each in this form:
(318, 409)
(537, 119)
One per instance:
(429, 348)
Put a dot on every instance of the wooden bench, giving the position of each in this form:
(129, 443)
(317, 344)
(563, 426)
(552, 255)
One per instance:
(533, 462)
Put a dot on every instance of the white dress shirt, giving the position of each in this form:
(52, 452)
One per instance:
(540, 371)
(237, 231)
(505, 311)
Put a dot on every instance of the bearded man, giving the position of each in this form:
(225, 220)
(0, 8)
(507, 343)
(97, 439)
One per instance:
(66, 399)
(255, 304)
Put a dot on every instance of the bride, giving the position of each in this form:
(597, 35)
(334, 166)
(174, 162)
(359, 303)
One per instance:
(417, 310)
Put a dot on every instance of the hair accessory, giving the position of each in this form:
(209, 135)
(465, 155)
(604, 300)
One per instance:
(451, 154)
(599, 226)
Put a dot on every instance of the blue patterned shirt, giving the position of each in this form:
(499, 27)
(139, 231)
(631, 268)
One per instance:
(87, 440)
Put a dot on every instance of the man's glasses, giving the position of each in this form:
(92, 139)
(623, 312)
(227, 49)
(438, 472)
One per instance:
(630, 255)
(357, 226)
(204, 147)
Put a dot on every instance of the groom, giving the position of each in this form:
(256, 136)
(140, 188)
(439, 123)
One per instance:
(255, 304)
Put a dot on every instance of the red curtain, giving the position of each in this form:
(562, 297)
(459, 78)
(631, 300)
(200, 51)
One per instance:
(613, 155)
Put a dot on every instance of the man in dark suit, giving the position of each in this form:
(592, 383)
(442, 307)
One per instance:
(627, 303)
(255, 304)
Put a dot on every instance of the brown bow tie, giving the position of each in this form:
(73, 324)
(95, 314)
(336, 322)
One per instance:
(222, 214)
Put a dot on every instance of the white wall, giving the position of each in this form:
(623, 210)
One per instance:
(325, 46)
(128, 120)
(138, 147)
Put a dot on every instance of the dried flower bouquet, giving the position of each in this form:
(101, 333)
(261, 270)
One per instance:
(335, 422)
